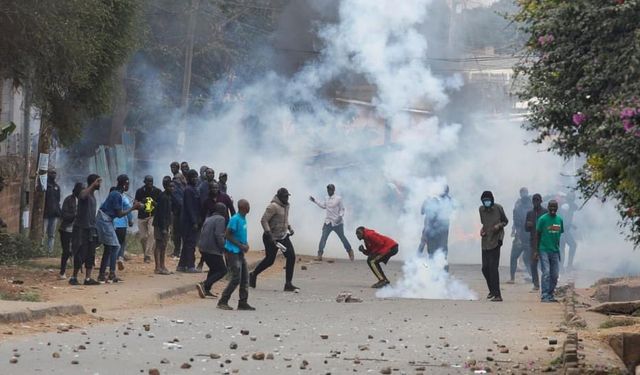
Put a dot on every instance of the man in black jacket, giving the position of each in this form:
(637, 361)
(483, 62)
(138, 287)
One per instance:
(530, 226)
(190, 222)
(51, 209)
(147, 195)
(69, 209)
(161, 223)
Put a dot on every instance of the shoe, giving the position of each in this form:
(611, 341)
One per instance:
(510, 282)
(120, 264)
(496, 299)
(114, 279)
(290, 288)
(181, 269)
(200, 289)
(102, 279)
(147, 259)
(489, 296)
(62, 276)
(351, 256)
(165, 271)
(209, 294)
(380, 284)
(73, 281)
(319, 258)
(252, 279)
(243, 306)
(224, 306)
(91, 282)
(192, 270)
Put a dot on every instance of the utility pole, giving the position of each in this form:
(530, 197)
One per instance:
(186, 81)
(26, 152)
(44, 148)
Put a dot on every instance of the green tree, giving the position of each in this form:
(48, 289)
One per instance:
(582, 71)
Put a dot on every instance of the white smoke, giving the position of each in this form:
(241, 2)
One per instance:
(424, 277)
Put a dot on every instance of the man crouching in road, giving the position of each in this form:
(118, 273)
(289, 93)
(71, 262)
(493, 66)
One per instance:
(378, 249)
(236, 247)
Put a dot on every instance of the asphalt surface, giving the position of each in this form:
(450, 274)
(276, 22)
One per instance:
(405, 335)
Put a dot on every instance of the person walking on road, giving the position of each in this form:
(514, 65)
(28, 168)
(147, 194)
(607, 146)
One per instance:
(531, 220)
(161, 223)
(519, 234)
(147, 195)
(180, 183)
(190, 223)
(211, 245)
(333, 222)
(52, 210)
(277, 233)
(85, 237)
(378, 249)
(236, 247)
(69, 210)
(493, 222)
(549, 229)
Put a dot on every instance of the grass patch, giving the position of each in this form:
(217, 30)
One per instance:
(557, 361)
(621, 322)
(21, 296)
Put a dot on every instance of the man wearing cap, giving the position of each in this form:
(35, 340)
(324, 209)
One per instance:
(493, 222)
(148, 195)
(275, 222)
(334, 221)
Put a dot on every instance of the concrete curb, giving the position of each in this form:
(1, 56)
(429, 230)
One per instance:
(570, 345)
(32, 314)
(191, 287)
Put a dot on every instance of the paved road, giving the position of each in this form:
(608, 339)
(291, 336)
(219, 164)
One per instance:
(405, 335)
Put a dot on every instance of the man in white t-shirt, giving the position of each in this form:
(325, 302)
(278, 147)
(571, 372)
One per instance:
(334, 221)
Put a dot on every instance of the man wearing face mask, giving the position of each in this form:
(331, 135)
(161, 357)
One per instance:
(549, 228)
(275, 222)
(519, 233)
(530, 226)
(334, 222)
(493, 222)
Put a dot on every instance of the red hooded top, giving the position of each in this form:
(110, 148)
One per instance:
(376, 243)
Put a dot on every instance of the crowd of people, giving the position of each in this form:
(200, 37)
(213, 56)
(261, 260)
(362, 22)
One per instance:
(195, 211)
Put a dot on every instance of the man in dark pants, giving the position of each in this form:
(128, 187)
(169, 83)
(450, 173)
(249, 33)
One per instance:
(519, 234)
(567, 211)
(190, 223)
(51, 209)
(211, 246)
(161, 224)
(493, 222)
(275, 222)
(147, 195)
(69, 210)
(180, 183)
(378, 249)
(236, 247)
(437, 213)
(85, 236)
(208, 205)
(334, 221)
(530, 225)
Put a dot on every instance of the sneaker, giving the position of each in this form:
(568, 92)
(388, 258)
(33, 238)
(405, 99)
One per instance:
(351, 256)
(62, 276)
(102, 279)
(181, 269)
(200, 289)
(224, 306)
(496, 299)
(319, 258)
(192, 270)
(147, 259)
(114, 279)
(252, 279)
(165, 271)
(290, 288)
(91, 282)
(120, 264)
(489, 296)
(209, 294)
(243, 306)
(73, 281)
(380, 284)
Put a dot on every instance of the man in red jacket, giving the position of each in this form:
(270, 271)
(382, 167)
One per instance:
(378, 249)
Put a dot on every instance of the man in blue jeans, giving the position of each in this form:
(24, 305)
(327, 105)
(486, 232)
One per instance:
(334, 222)
(549, 228)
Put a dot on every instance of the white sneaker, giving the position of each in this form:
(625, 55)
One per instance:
(62, 277)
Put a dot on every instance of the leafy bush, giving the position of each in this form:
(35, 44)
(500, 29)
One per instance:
(15, 247)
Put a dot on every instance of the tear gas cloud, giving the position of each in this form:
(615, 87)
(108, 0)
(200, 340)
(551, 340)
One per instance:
(287, 131)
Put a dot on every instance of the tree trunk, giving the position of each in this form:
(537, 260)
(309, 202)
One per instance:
(120, 108)
(44, 146)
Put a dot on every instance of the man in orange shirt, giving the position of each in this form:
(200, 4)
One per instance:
(378, 249)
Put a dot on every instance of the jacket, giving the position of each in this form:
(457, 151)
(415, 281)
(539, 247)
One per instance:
(52, 201)
(212, 235)
(530, 224)
(522, 206)
(376, 243)
(209, 204)
(162, 218)
(489, 217)
(190, 213)
(149, 199)
(69, 209)
(276, 219)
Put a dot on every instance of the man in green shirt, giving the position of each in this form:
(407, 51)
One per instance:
(549, 228)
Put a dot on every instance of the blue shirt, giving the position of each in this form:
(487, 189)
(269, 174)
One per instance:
(112, 204)
(238, 227)
(123, 222)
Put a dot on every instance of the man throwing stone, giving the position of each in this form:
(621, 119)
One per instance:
(334, 222)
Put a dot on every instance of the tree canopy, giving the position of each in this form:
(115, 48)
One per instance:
(582, 70)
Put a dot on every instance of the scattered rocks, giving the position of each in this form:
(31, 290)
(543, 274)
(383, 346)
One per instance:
(164, 361)
(147, 327)
(346, 297)
(259, 356)
(385, 370)
(363, 347)
(75, 362)
(55, 355)
(551, 349)
(504, 350)
(304, 268)
(244, 332)
(13, 360)
(324, 337)
(270, 356)
(233, 345)
(304, 364)
(154, 371)
(207, 336)
(253, 338)
(185, 366)
(215, 356)
(553, 341)
(94, 310)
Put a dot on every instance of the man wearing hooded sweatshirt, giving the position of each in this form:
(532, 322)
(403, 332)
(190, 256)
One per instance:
(531, 220)
(211, 246)
(69, 209)
(549, 228)
(51, 209)
(519, 233)
(493, 222)
(275, 222)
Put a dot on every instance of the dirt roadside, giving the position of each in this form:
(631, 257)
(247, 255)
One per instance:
(37, 281)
